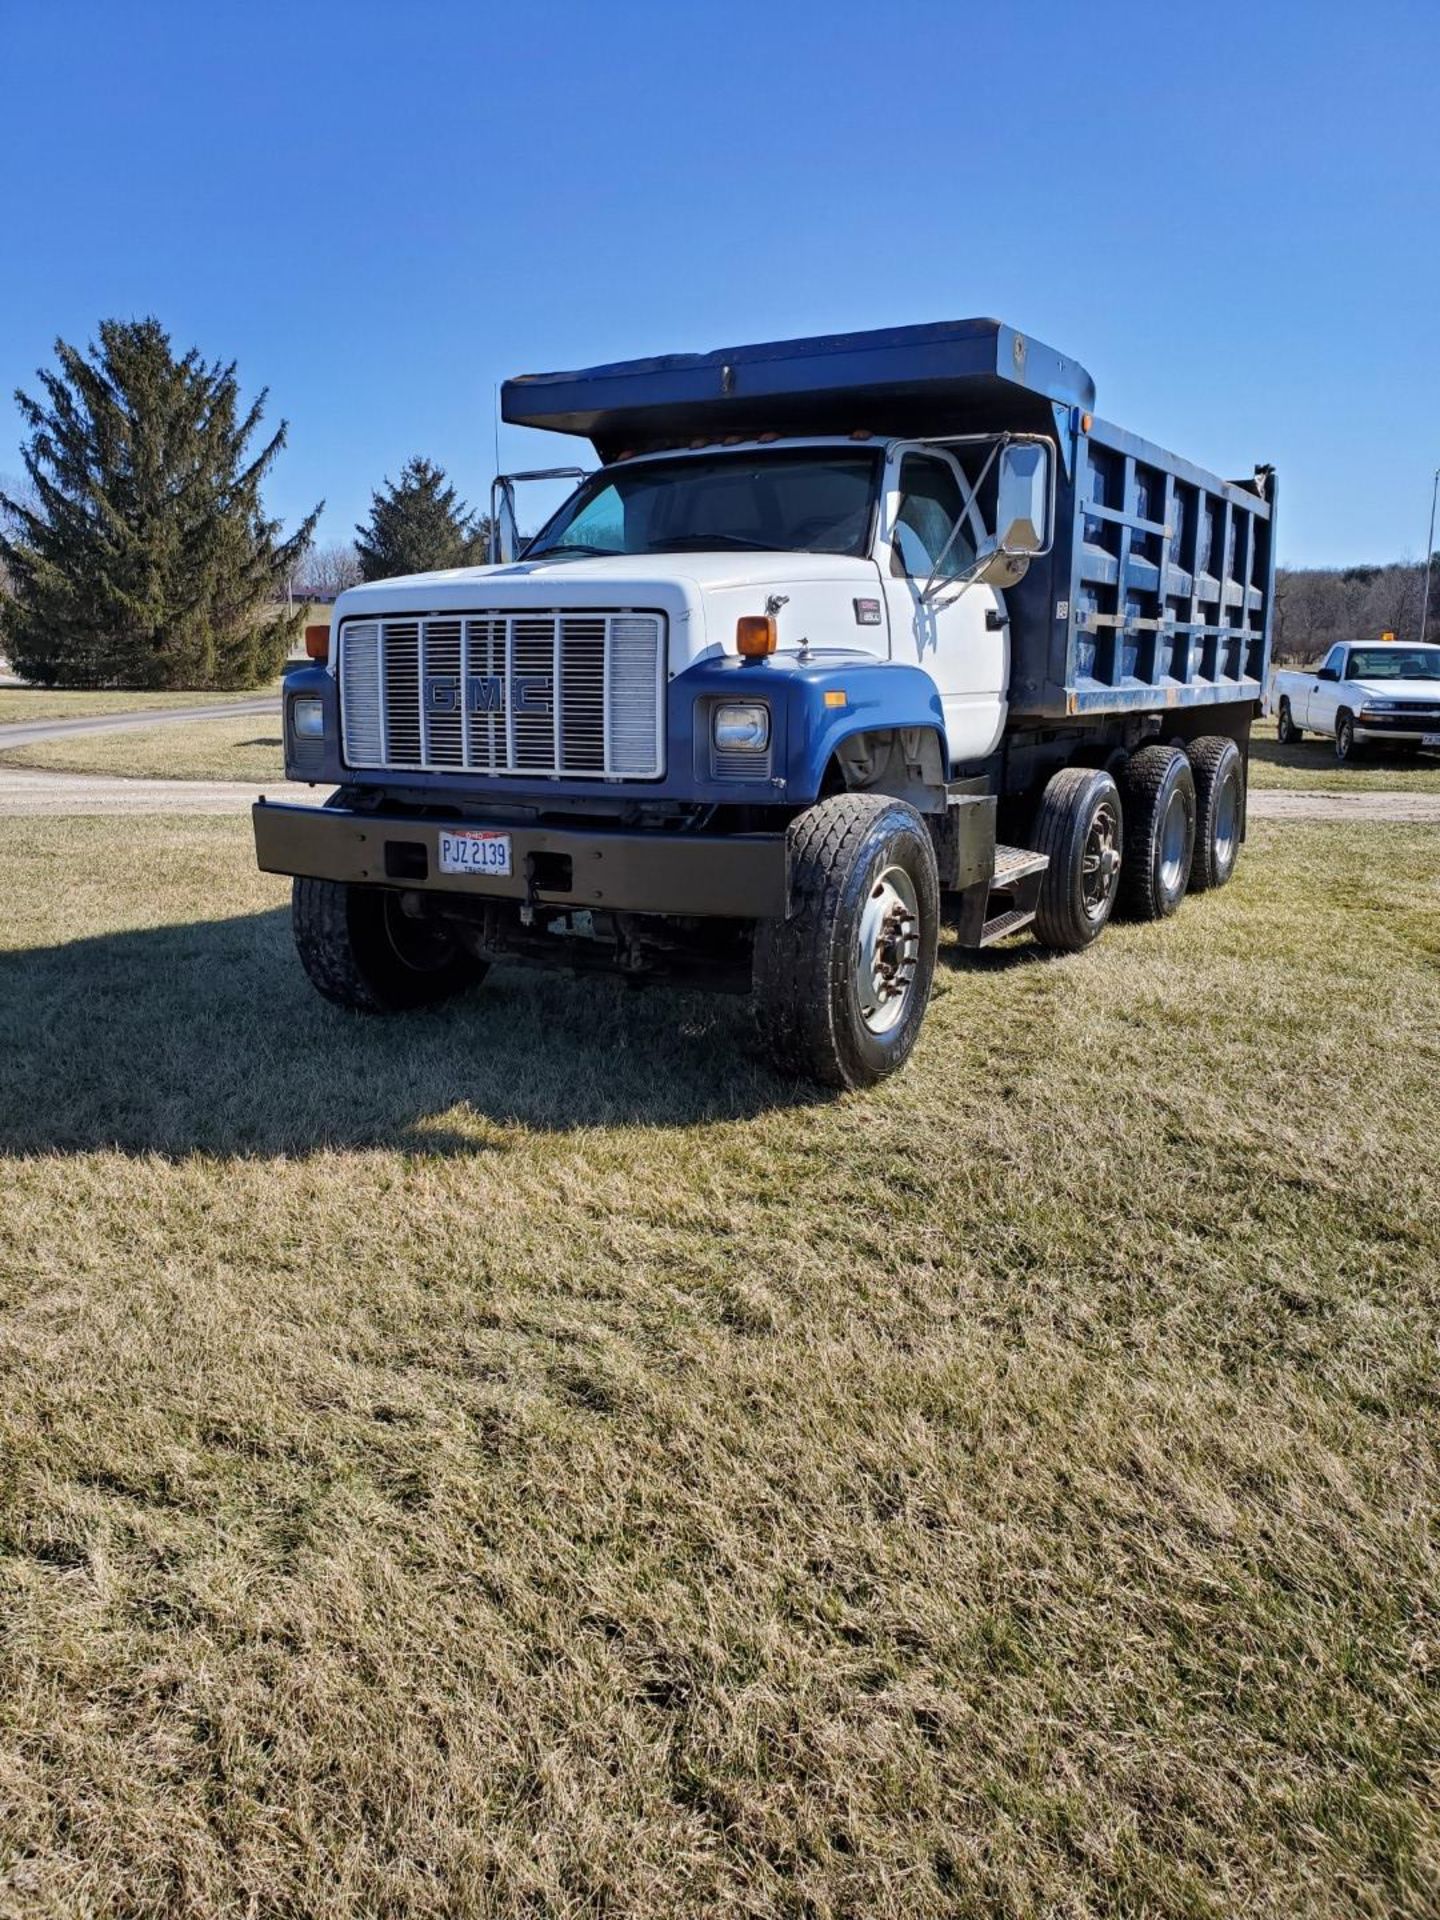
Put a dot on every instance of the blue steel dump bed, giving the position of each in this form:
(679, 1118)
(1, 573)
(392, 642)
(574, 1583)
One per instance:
(1158, 589)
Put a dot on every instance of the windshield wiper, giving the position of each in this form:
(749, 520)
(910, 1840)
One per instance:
(574, 546)
(698, 542)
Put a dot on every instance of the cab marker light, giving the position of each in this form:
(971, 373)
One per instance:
(755, 635)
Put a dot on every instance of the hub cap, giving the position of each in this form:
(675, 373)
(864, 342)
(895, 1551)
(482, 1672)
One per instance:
(1100, 862)
(1172, 844)
(1227, 822)
(887, 950)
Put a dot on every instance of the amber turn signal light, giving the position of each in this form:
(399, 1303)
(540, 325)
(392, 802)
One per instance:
(317, 643)
(755, 635)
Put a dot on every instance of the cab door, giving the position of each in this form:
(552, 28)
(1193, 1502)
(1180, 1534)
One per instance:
(952, 629)
(1322, 698)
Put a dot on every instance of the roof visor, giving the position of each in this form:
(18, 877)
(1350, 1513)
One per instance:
(951, 376)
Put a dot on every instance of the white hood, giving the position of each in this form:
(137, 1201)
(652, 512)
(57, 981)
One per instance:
(701, 594)
(1426, 690)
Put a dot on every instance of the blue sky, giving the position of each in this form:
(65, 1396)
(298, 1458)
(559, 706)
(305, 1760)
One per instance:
(1230, 212)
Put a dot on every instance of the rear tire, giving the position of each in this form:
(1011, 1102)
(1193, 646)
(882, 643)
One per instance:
(1080, 827)
(1158, 795)
(1219, 775)
(360, 951)
(1288, 734)
(841, 986)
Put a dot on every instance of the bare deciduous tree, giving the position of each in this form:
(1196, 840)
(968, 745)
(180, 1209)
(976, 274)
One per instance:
(1316, 606)
(325, 571)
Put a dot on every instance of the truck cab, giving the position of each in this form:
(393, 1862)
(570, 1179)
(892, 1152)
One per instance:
(835, 628)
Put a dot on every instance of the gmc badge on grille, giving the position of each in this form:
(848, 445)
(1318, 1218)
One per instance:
(485, 693)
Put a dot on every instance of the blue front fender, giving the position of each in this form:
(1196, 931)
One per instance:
(816, 700)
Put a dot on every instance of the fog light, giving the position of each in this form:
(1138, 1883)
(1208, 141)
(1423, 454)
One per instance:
(307, 718)
(741, 728)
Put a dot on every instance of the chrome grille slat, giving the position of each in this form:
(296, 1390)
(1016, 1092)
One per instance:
(591, 686)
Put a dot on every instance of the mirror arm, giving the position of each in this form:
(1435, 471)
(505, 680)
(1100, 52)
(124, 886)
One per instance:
(502, 491)
(931, 590)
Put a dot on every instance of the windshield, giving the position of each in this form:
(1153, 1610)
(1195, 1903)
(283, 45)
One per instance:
(789, 500)
(1394, 663)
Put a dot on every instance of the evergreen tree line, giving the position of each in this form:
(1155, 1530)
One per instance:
(136, 552)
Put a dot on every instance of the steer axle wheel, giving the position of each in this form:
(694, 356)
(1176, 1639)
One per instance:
(362, 951)
(841, 986)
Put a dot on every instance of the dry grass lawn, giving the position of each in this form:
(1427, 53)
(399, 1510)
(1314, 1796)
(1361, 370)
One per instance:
(249, 747)
(36, 703)
(526, 1459)
(1311, 766)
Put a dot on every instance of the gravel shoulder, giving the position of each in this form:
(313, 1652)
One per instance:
(1363, 805)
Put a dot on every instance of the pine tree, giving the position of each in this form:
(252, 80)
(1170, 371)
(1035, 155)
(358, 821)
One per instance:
(418, 526)
(143, 556)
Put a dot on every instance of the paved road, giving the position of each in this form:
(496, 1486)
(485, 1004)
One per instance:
(27, 733)
(26, 791)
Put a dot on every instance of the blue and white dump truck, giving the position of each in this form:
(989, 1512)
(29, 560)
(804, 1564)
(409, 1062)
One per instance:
(841, 636)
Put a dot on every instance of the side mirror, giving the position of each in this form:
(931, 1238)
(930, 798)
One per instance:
(1024, 499)
(1327, 673)
(1024, 513)
(504, 533)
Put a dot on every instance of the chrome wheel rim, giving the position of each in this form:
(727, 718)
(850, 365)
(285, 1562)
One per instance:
(1172, 843)
(1227, 822)
(887, 950)
(1100, 862)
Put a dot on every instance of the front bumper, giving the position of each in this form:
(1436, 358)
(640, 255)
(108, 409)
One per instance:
(1402, 729)
(736, 876)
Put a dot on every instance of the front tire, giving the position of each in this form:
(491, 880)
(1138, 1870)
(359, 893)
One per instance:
(842, 984)
(1286, 731)
(1219, 775)
(1079, 826)
(1345, 748)
(1158, 792)
(360, 951)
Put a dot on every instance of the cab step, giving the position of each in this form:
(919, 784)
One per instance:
(1016, 878)
(1001, 925)
(1013, 864)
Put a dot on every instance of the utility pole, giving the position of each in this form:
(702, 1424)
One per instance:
(1429, 553)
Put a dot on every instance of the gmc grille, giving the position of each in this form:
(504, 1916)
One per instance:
(505, 693)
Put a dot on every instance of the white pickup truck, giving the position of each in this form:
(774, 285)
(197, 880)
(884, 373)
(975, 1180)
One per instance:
(1362, 696)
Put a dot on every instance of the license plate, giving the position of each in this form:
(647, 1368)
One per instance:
(474, 850)
(1430, 739)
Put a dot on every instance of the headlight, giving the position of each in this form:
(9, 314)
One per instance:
(740, 728)
(307, 718)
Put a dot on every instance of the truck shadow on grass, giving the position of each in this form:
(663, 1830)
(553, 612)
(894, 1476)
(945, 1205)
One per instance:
(208, 1038)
